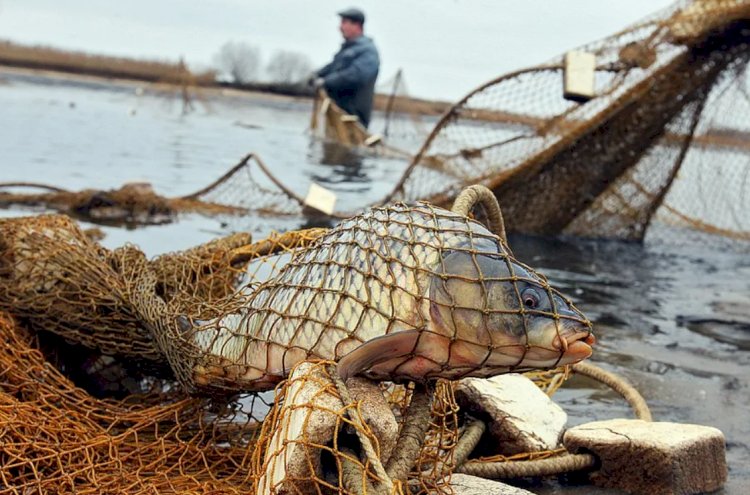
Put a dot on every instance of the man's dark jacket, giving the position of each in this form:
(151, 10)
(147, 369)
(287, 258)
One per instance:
(350, 77)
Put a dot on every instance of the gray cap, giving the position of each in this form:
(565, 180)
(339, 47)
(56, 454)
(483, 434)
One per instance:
(353, 14)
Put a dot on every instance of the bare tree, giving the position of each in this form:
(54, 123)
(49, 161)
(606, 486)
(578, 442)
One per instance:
(288, 67)
(238, 60)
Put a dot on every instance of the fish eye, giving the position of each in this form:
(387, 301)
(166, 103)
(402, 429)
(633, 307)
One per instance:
(530, 298)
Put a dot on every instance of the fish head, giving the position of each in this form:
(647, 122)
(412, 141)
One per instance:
(500, 316)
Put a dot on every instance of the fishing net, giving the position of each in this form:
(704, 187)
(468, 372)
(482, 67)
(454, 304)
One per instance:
(331, 123)
(401, 271)
(194, 414)
(57, 438)
(247, 186)
(660, 142)
(406, 120)
(657, 150)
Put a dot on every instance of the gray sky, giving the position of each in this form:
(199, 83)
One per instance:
(445, 47)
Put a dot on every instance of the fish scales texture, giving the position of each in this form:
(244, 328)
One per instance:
(366, 278)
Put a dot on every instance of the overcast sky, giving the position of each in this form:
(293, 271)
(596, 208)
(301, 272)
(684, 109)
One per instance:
(445, 47)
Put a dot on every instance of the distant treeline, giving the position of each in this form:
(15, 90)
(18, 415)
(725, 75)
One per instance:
(236, 60)
(39, 57)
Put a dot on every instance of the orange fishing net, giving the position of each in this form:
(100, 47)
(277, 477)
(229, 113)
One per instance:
(181, 413)
(138, 203)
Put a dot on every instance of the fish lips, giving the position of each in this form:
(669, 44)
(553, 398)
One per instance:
(576, 345)
(568, 341)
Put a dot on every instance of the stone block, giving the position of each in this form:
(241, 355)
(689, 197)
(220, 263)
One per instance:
(657, 458)
(464, 484)
(521, 418)
(309, 419)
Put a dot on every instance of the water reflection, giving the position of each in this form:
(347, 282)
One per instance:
(344, 164)
(341, 164)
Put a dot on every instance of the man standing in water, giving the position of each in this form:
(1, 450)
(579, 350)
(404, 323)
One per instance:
(350, 78)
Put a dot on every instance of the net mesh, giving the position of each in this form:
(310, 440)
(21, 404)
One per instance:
(406, 120)
(172, 401)
(57, 438)
(660, 142)
(246, 187)
(657, 151)
(419, 283)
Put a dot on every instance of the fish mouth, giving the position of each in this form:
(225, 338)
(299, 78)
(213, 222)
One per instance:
(575, 345)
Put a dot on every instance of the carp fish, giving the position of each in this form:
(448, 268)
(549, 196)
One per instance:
(397, 293)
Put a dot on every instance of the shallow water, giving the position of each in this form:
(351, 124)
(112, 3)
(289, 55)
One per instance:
(674, 321)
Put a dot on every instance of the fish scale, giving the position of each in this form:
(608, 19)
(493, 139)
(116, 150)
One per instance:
(321, 291)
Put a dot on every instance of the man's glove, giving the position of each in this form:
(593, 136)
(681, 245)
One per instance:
(318, 83)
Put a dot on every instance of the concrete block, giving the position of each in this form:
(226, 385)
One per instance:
(310, 416)
(464, 484)
(521, 418)
(641, 457)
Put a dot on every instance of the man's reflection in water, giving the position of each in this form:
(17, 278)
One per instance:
(345, 162)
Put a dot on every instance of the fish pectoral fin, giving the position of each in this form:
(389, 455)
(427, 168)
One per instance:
(376, 351)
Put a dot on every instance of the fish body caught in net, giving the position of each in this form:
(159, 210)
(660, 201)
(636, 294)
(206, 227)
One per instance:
(397, 293)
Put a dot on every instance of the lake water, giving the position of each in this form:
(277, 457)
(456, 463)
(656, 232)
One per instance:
(674, 321)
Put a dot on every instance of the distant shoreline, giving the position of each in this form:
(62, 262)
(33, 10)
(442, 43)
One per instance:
(83, 65)
(165, 75)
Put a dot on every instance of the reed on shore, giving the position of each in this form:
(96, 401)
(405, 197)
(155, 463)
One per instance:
(47, 58)
(177, 73)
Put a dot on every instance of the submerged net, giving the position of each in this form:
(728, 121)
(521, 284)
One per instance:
(185, 413)
(246, 187)
(661, 142)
